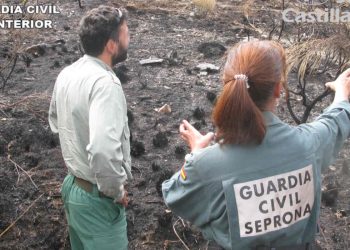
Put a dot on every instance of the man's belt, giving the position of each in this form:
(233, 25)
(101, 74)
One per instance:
(87, 186)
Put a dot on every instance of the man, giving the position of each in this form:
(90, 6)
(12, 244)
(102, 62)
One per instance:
(88, 111)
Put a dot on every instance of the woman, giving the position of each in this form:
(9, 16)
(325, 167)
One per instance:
(259, 186)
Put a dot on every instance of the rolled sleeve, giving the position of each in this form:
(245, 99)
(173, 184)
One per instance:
(107, 119)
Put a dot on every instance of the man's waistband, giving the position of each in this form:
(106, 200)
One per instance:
(87, 186)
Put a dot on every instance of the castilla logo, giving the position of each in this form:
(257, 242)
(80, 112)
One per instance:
(313, 2)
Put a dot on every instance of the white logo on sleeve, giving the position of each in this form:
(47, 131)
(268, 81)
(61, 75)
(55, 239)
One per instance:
(275, 202)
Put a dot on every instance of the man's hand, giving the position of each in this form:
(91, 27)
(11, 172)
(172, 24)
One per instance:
(193, 137)
(125, 200)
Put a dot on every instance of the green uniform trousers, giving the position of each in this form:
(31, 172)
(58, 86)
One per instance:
(95, 223)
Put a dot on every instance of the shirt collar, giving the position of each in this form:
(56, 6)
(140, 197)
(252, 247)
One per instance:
(99, 62)
(271, 118)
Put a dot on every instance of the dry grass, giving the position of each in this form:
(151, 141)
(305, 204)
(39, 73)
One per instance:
(324, 54)
(247, 8)
(151, 5)
(205, 5)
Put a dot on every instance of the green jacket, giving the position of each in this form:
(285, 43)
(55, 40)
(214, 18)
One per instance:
(268, 195)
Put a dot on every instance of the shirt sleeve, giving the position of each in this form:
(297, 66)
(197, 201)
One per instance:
(330, 129)
(107, 119)
(188, 196)
(53, 113)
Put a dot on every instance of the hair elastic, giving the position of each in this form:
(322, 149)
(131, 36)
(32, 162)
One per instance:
(242, 77)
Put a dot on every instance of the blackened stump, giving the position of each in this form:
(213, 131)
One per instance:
(198, 113)
(137, 148)
(164, 175)
(212, 49)
(160, 140)
(130, 117)
(330, 195)
(197, 125)
(164, 220)
(121, 72)
(155, 166)
(3, 145)
(211, 96)
(180, 150)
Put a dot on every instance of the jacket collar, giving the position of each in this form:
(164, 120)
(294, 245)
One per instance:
(98, 61)
(271, 118)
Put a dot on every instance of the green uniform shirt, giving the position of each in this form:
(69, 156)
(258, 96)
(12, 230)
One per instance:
(88, 110)
(268, 195)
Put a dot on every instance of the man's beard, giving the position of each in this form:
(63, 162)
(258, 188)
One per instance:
(120, 57)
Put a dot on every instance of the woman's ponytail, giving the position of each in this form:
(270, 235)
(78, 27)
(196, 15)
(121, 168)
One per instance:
(250, 75)
(238, 118)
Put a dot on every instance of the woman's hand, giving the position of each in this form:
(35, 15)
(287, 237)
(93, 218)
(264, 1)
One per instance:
(193, 137)
(341, 86)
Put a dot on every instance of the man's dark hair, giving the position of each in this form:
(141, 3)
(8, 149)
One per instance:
(98, 26)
